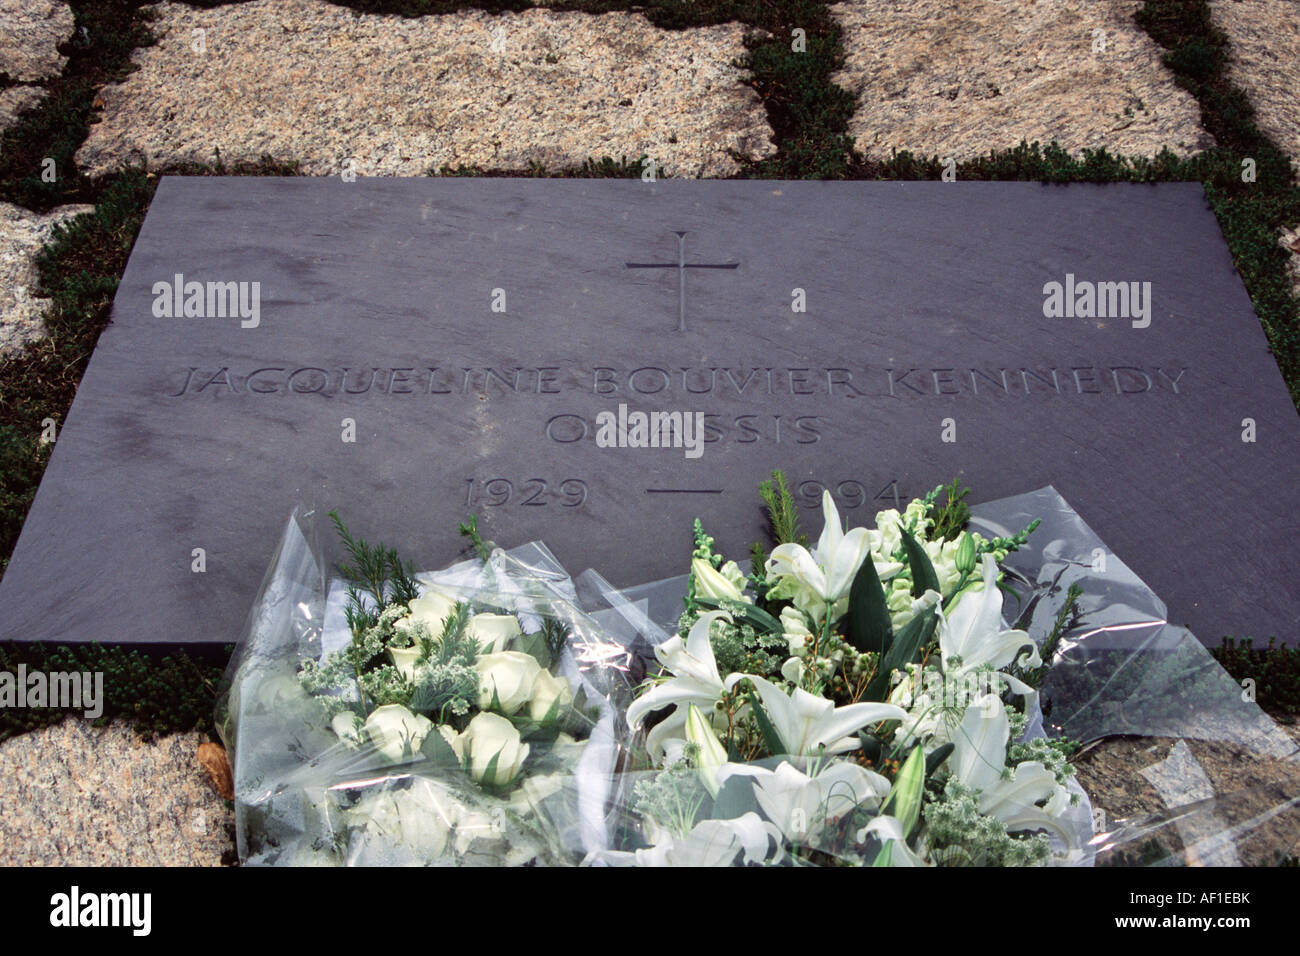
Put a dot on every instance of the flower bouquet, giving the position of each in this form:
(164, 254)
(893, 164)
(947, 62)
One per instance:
(857, 702)
(881, 697)
(390, 718)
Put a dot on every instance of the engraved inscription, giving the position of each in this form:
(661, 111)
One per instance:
(682, 383)
(681, 265)
(851, 493)
(528, 492)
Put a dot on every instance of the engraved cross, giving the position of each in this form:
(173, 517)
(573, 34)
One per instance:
(681, 265)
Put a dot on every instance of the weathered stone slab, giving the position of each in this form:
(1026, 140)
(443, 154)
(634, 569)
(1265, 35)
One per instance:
(33, 30)
(1264, 46)
(22, 308)
(472, 332)
(79, 795)
(311, 81)
(956, 81)
(15, 100)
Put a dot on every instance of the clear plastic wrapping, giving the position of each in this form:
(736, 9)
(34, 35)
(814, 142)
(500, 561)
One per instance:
(413, 784)
(1179, 765)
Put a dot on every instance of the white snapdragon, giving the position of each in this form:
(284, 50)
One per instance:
(794, 624)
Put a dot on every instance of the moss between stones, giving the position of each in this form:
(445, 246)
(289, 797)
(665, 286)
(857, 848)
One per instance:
(81, 265)
(157, 694)
(1274, 670)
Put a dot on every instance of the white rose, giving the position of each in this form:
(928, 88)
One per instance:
(348, 726)
(418, 820)
(404, 660)
(508, 678)
(547, 690)
(491, 736)
(494, 632)
(430, 609)
(396, 732)
(280, 691)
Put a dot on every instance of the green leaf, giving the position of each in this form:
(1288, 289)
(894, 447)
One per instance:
(437, 751)
(537, 647)
(552, 714)
(868, 618)
(907, 646)
(885, 855)
(936, 758)
(490, 774)
(749, 613)
(923, 576)
(770, 736)
(870, 746)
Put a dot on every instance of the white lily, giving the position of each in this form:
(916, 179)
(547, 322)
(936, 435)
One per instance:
(808, 725)
(826, 574)
(799, 804)
(978, 760)
(710, 843)
(972, 632)
(695, 680)
(349, 727)
(889, 830)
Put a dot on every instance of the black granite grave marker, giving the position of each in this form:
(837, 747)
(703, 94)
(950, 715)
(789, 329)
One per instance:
(875, 339)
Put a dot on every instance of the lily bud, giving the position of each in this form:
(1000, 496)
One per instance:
(711, 756)
(965, 557)
(710, 583)
(904, 801)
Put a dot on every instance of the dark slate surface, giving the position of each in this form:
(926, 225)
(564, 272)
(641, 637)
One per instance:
(398, 274)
